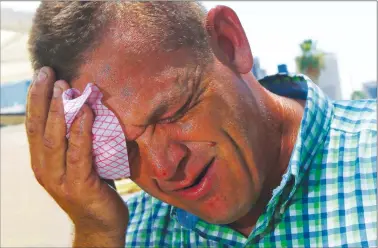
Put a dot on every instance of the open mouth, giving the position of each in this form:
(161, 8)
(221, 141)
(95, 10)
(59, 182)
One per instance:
(200, 176)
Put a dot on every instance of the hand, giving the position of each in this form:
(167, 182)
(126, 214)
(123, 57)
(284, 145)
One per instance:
(64, 167)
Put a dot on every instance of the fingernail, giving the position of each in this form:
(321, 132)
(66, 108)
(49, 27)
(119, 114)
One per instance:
(57, 92)
(42, 75)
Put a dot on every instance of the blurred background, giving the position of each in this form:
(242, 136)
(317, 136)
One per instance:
(334, 43)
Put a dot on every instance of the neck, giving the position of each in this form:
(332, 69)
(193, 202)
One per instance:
(282, 125)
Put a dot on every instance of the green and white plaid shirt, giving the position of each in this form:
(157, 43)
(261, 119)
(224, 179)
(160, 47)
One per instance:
(327, 197)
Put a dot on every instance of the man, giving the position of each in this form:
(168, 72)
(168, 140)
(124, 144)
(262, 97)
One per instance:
(223, 159)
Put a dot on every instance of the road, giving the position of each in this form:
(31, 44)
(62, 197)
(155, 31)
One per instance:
(29, 216)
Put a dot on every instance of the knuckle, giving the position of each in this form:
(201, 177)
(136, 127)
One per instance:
(34, 94)
(50, 143)
(55, 108)
(69, 192)
(54, 120)
(32, 125)
(73, 153)
(76, 131)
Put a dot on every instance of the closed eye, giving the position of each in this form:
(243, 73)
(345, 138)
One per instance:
(183, 110)
(177, 116)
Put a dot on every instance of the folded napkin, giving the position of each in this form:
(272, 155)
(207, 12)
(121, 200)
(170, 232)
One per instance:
(109, 143)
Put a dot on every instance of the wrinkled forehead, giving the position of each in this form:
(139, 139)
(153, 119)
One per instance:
(113, 61)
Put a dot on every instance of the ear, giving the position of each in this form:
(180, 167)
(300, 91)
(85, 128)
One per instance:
(228, 39)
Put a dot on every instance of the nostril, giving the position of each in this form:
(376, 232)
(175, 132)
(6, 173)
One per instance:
(162, 173)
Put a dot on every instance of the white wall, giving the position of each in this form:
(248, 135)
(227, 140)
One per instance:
(15, 63)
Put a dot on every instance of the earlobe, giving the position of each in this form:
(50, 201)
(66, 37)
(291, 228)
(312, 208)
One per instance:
(228, 39)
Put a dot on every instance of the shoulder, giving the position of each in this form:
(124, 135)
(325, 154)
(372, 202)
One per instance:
(353, 134)
(355, 116)
(351, 145)
(345, 177)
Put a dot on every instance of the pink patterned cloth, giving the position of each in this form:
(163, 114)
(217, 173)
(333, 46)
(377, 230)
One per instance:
(109, 143)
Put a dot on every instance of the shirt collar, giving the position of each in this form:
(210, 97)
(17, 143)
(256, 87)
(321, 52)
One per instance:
(314, 128)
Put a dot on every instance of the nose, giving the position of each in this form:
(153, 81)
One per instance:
(133, 132)
(166, 155)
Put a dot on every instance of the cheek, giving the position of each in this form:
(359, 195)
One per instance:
(203, 123)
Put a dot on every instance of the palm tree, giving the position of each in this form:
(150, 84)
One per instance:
(311, 61)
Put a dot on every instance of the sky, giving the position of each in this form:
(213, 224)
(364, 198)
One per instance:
(275, 30)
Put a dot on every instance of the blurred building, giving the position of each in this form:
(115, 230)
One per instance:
(370, 89)
(257, 71)
(16, 69)
(15, 63)
(329, 79)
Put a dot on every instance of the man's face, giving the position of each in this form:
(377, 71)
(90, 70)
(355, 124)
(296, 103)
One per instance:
(190, 139)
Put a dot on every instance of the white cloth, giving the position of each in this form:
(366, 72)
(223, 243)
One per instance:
(109, 143)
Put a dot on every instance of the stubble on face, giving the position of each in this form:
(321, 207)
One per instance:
(142, 94)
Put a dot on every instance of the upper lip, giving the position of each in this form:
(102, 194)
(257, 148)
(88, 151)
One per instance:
(186, 183)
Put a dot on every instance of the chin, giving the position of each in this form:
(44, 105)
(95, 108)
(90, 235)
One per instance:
(223, 213)
(221, 219)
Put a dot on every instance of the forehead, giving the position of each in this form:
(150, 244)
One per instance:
(139, 84)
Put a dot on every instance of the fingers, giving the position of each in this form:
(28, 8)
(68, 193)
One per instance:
(38, 101)
(79, 153)
(54, 139)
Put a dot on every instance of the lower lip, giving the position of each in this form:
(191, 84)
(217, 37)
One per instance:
(200, 189)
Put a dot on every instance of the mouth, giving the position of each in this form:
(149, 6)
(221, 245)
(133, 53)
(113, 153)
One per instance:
(200, 186)
(200, 176)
